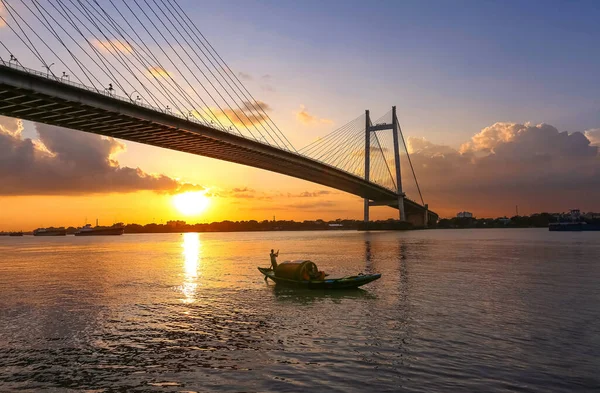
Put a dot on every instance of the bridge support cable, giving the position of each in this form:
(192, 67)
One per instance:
(112, 57)
(328, 148)
(342, 147)
(390, 183)
(142, 53)
(345, 151)
(127, 63)
(249, 111)
(321, 143)
(49, 26)
(144, 26)
(28, 44)
(202, 39)
(106, 64)
(232, 114)
(350, 156)
(410, 162)
(235, 117)
(33, 49)
(378, 169)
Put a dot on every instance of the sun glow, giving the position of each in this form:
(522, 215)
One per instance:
(191, 203)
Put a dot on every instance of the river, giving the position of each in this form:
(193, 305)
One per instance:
(493, 310)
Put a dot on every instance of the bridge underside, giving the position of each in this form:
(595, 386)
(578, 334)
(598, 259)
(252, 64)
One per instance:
(42, 100)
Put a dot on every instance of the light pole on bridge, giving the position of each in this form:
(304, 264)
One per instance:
(110, 89)
(137, 97)
(47, 67)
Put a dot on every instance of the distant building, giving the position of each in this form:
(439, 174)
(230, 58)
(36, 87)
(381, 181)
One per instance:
(504, 220)
(465, 215)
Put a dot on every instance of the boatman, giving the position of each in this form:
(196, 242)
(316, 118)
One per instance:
(274, 256)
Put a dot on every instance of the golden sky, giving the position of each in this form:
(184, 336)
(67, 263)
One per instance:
(483, 133)
(59, 177)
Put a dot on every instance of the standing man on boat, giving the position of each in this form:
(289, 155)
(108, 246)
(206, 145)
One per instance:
(274, 256)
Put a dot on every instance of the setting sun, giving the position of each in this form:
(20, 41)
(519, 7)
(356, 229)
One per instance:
(191, 203)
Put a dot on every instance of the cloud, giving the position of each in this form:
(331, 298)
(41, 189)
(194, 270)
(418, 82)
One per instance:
(423, 146)
(505, 164)
(315, 206)
(112, 46)
(313, 194)
(306, 118)
(251, 193)
(265, 83)
(242, 193)
(593, 136)
(66, 162)
(249, 115)
(3, 13)
(245, 77)
(159, 72)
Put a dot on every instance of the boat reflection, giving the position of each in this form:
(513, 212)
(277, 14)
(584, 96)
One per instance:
(307, 296)
(192, 249)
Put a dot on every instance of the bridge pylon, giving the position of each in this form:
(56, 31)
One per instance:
(370, 128)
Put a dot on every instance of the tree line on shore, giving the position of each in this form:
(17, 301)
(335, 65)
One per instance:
(537, 220)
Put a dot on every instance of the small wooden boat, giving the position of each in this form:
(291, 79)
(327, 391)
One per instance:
(294, 273)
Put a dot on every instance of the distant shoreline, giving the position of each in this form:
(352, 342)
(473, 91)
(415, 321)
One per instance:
(539, 220)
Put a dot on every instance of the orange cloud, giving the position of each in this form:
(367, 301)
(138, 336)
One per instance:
(534, 166)
(248, 116)
(3, 13)
(67, 162)
(159, 72)
(306, 118)
(112, 46)
(594, 136)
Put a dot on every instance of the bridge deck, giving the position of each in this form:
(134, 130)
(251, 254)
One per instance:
(33, 97)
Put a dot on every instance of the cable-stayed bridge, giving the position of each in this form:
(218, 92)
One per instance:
(142, 71)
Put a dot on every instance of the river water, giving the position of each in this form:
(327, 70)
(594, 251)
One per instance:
(492, 310)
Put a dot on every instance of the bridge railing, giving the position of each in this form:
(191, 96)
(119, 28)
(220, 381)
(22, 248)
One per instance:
(106, 92)
(65, 80)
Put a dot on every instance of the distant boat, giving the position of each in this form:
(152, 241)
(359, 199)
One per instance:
(88, 230)
(575, 225)
(15, 234)
(50, 232)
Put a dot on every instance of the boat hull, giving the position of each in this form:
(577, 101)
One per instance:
(573, 227)
(51, 233)
(332, 283)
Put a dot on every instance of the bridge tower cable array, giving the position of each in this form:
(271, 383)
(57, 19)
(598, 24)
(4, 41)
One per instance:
(142, 71)
(144, 48)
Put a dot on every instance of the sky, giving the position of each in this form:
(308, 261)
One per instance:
(499, 102)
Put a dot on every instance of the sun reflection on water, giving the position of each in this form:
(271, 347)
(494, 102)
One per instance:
(192, 248)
